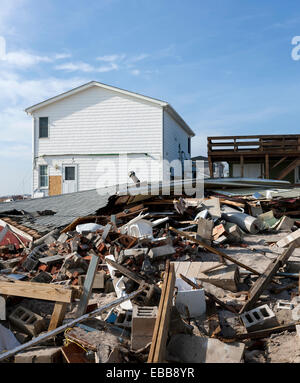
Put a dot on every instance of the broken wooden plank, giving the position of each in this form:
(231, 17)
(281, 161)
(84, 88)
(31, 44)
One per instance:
(134, 276)
(88, 284)
(58, 315)
(262, 282)
(214, 251)
(160, 333)
(37, 291)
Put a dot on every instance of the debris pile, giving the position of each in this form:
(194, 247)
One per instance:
(155, 279)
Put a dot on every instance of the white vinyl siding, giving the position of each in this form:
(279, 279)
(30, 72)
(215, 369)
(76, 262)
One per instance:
(99, 171)
(98, 121)
(175, 141)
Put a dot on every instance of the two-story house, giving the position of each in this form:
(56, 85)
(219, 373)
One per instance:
(94, 135)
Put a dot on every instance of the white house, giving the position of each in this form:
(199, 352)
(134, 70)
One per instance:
(93, 135)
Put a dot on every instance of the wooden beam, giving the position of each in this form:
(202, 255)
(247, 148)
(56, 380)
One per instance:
(262, 282)
(288, 169)
(57, 315)
(88, 285)
(242, 166)
(211, 167)
(36, 290)
(161, 328)
(279, 162)
(267, 167)
(214, 251)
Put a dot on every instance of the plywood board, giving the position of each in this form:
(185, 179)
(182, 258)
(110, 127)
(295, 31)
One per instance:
(55, 185)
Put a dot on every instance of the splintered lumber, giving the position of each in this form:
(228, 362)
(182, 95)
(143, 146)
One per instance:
(36, 290)
(231, 203)
(125, 271)
(57, 315)
(160, 333)
(209, 295)
(213, 250)
(72, 323)
(262, 282)
(88, 284)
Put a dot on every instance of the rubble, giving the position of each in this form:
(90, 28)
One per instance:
(153, 279)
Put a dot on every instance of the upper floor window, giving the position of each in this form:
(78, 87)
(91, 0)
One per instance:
(43, 127)
(189, 145)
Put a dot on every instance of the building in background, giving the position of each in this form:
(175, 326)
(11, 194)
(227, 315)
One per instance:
(95, 134)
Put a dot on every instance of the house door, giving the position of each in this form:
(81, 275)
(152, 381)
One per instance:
(69, 179)
(297, 175)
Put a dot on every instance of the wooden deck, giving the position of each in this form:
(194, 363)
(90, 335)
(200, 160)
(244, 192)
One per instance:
(261, 148)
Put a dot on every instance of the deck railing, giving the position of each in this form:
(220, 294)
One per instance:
(259, 144)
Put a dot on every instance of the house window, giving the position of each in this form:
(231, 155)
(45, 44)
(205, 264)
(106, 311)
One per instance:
(70, 173)
(189, 145)
(43, 176)
(43, 127)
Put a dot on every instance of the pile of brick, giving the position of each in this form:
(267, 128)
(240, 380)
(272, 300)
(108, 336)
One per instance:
(130, 247)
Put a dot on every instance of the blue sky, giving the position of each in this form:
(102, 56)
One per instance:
(224, 65)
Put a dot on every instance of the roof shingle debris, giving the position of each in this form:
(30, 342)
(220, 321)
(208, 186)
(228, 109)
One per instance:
(103, 269)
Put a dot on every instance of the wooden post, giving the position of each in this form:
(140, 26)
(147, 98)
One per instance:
(88, 285)
(211, 168)
(161, 328)
(267, 171)
(57, 315)
(242, 166)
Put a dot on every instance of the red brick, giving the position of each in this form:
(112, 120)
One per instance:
(101, 248)
(43, 267)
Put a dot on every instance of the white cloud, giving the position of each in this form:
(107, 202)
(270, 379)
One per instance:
(60, 56)
(72, 67)
(23, 59)
(135, 72)
(111, 58)
(85, 67)
(138, 58)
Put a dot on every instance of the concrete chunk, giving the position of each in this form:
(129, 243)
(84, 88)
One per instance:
(143, 322)
(285, 224)
(2, 308)
(99, 281)
(194, 349)
(259, 318)
(39, 355)
(225, 277)
(161, 251)
(27, 321)
(204, 231)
